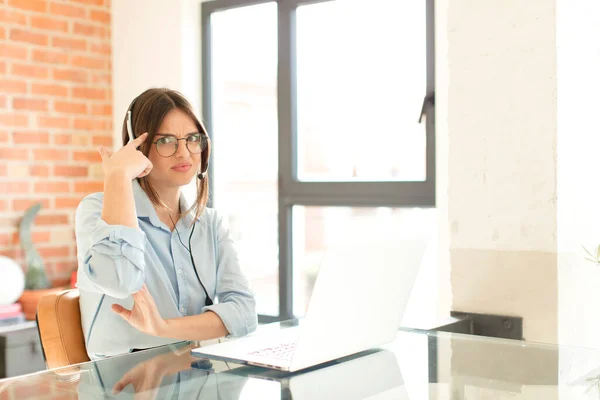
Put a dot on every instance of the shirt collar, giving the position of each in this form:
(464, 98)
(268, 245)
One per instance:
(189, 218)
(145, 209)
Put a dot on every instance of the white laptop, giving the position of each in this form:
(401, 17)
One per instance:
(357, 303)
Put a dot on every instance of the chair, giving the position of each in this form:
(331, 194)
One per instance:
(59, 325)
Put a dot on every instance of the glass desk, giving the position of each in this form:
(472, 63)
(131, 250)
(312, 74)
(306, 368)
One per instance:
(416, 365)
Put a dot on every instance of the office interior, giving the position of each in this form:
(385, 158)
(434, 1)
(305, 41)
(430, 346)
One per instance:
(468, 124)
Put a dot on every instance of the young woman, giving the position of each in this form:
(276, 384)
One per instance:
(154, 269)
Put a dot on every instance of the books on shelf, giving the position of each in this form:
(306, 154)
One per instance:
(11, 314)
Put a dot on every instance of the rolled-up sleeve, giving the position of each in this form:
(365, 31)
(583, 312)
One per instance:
(110, 257)
(237, 305)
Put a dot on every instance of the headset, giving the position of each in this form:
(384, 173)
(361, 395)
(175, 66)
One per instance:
(200, 176)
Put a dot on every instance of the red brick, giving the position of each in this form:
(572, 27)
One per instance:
(63, 139)
(8, 240)
(51, 219)
(12, 51)
(5, 241)
(2, 33)
(90, 30)
(91, 2)
(2, 67)
(69, 44)
(14, 120)
(20, 35)
(54, 122)
(89, 187)
(36, 237)
(102, 79)
(3, 139)
(89, 124)
(66, 202)
(12, 17)
(88, 62)
(40, 237)
(51, 187)
(89, 156)
(102, 140)
(24, 204)
(88, 93)
(101, 48)
(30, 71)
(49, 89)
(13, 86)
(30, 5)
(14, 187)
(65, 267)
(31, 137)
(102, 109)
(3, 101)
(39, 170)
(11, 253)
(3, 205)
(50, 155)
(28, 104)
(71, 75)
(14, 154)
(100, 16)
(68, 170)
(60, 251)
(66, 10)
(51, 57)
(51, 24)
(70, 107)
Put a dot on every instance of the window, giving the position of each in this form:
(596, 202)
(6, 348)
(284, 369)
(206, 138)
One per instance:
(317, 117)
(356, 112)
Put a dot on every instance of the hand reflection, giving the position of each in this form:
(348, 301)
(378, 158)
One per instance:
(147, 376)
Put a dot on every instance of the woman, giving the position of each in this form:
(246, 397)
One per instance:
(151, 266)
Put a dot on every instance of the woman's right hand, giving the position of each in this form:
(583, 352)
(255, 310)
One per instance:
(128, 160)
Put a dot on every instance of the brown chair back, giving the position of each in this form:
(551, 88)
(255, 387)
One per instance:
(59, 325)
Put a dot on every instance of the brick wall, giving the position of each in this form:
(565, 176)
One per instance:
(55, 109)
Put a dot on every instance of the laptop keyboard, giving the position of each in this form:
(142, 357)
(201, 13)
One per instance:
(284, 351)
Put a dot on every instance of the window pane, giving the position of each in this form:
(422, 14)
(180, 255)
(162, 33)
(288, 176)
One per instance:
(317, 230)
(244, 101)
(361, 79)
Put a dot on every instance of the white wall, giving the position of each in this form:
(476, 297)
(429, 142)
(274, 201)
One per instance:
(155, 43)
(498, 161)
(578, 30)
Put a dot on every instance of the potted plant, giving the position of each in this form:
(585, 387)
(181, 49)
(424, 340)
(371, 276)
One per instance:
(595, 258)
(36, 280)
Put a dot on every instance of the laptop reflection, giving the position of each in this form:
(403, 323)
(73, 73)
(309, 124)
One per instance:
(369, 374)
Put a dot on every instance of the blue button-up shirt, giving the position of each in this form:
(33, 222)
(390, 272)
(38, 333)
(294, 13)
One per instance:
(115, 261)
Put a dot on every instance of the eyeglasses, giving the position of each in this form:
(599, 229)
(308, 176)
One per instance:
(167, 146)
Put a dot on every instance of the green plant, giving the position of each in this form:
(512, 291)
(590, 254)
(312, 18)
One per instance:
(35, 278)
(593, 258)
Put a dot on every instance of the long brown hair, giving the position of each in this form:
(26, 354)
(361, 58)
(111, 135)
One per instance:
(148, 111)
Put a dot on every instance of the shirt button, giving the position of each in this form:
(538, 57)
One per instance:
(179, 271)
(181, 309)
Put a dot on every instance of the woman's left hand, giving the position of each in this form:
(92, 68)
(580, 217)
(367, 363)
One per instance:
(144, 315)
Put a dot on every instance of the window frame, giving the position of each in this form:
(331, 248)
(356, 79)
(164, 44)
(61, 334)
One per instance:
(292, 191)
